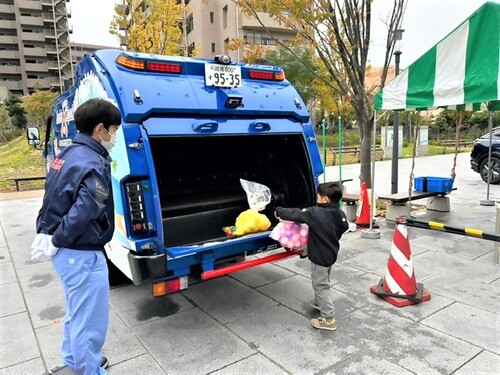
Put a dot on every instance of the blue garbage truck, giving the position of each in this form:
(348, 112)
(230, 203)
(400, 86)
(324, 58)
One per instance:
(191, 129)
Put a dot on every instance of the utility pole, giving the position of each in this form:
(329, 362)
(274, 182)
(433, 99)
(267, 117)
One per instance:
(395, 125)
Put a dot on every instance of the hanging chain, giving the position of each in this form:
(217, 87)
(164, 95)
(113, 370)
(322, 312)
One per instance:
(414, 153)
(457, 142)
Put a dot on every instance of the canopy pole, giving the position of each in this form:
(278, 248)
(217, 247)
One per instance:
(370, 233)
(488, 202)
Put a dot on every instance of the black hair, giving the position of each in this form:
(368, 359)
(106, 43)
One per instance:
(331, 190)
(94, 111)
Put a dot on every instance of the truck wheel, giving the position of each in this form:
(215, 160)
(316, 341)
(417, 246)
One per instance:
(493, 168)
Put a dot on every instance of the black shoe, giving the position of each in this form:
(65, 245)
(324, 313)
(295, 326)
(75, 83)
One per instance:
(104, 365)
(104, 362)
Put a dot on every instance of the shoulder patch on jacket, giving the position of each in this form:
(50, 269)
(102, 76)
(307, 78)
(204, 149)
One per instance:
(57, 164)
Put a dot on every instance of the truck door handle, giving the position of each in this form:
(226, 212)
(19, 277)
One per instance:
(259, 126)
(205, 127)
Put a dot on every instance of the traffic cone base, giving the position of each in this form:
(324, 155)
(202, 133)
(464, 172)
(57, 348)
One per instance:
(422, 295)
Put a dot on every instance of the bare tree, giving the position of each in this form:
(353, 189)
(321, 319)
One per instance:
(339, 32)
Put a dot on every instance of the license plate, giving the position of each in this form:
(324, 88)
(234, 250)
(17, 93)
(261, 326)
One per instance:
(222, 75)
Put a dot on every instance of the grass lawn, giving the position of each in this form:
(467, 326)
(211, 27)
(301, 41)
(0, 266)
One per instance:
(19, 159)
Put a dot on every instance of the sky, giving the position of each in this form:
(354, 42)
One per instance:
(425, 22)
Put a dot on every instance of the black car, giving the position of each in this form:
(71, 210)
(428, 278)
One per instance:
(479, 156)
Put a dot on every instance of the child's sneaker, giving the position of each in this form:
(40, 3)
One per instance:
(314, 304)
(324, 323)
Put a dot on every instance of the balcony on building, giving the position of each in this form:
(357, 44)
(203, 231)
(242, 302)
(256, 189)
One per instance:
(33, 37)
(9, 55)
(7, 24)
(30, 5)
(8, 39)
(10, 69)
(30, 21)
(6, 8)
(40, 67)
(35, 52)
(13, 86)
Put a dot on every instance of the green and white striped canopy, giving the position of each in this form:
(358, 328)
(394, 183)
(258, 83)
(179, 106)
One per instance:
(461, 71)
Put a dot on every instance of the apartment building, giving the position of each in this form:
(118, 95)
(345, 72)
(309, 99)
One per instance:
(210, 25)
(34, 44)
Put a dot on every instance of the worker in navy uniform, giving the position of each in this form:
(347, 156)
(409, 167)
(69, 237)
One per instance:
(75, 222)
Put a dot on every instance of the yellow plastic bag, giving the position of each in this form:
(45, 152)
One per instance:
(250, 221)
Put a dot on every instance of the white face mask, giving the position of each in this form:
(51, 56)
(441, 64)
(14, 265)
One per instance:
(108, 145)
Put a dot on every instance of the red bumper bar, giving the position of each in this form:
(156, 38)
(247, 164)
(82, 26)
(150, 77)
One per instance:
(247, 264)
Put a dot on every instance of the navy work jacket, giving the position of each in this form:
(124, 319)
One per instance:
(77, 206)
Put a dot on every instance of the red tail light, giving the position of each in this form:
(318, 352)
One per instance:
(163, 67)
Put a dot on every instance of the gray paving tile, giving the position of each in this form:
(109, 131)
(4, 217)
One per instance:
(11, 293)
(479, 327)
(47, 307)
(120, 344)
(144, 365)
(227, 300)
(38, 276)
(264, 274)
(376, 262)
(4, 254)
(255, 364)
(469, 292)
(365, 364)
(444, 263)
(24, 368)
(7, 273)
(485, 363)
(18, 342)
(288, 339)
(196, 343)
(371, 331)
(135, 304)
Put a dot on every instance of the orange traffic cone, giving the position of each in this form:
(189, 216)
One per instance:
(399, 286)
(363, 212)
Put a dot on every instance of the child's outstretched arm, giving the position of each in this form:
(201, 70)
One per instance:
(296, 215)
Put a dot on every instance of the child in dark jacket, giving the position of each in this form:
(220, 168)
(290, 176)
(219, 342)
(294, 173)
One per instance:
(327, 222)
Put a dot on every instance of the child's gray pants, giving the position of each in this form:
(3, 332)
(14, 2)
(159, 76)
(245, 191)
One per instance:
(320, 277)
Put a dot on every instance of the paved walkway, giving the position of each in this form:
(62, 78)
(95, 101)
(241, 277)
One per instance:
(257, 321)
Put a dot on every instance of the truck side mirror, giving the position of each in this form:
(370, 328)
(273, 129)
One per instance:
(33, 135)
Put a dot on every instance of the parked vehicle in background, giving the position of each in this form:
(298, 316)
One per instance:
(479, 156)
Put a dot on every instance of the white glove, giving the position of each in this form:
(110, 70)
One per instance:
(51, 249)
(42, 246)
(39, 246)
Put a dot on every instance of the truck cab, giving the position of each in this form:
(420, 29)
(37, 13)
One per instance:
(191, 129)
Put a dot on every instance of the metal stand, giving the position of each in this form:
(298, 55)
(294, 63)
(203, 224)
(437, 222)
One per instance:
(371, 233)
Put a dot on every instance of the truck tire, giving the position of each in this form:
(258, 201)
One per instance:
(494, 169)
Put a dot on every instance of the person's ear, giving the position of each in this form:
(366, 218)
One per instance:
(98, 128)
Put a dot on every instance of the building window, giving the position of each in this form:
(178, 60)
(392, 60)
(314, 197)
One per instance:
(213, 47)
(226, 42)
(224, 17)
(211, 17)
(189, 23)
(32, 76)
